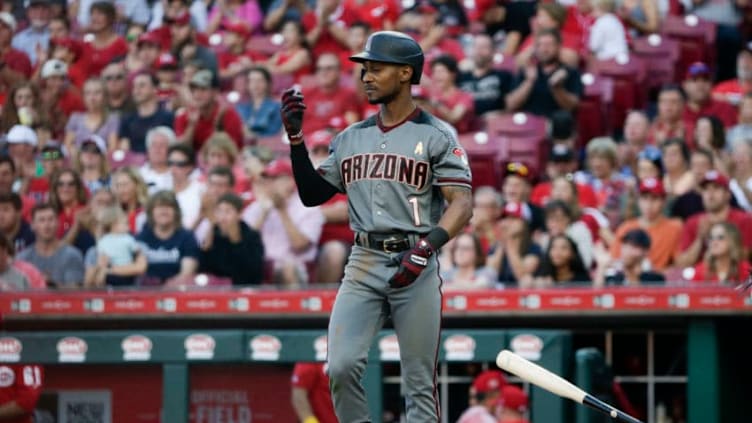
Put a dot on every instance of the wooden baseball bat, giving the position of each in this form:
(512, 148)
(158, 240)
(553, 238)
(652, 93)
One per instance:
(556, 384)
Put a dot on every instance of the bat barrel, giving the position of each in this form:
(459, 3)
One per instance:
(601, 406)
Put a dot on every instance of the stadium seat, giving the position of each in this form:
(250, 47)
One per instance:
(628, 75)
(485, 155)
(660, 55)
(592, 112)
(505, 63)
(278, 144)
(696, 38)
(529, 149)
(265, 44)
(281, 82)
(120, 158)
(514, 124)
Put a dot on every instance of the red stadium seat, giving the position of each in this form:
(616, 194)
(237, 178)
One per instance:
(592, 112)
(696, 38)
(281, 82)
(266, 44)
(629, 76)
(513, 124)
(278, 144)
(485, 155)
(121, 158)
(505, 63)
(660, 55)
(528, 149)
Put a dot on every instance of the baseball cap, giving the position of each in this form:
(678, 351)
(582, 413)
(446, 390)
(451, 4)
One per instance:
(561, 153)
(54, 67)
(202, 78)
(512, 209)
(96, 140)
(70, 43)
(636, 237)
(9, 21)
(320, 138)
(652, 186)
(182, 18)
(715, 177)
(150, 37)
(489, 380)
(698, 70)
(426, 7)
(279, 167)
(166, 61)
(514, 398)
(20, 134)
(518, 169)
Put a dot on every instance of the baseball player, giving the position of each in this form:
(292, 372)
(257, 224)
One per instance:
(484, 398)
(408, 186)
(311, 398)
(20, 386)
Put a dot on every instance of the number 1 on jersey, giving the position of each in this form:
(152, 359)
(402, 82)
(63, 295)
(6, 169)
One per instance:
(416, 210)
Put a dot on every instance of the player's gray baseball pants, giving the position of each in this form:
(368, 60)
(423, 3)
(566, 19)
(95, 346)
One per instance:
(363, 302)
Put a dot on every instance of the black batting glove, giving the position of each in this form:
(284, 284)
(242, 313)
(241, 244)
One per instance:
(292, 114)
(411, 263)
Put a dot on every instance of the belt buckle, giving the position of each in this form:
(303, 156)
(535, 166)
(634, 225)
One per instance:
(390, 242)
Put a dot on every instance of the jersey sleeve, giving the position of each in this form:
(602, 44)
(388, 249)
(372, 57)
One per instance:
(329, 168)
(450, 164)
(304, 376)
(28, 384)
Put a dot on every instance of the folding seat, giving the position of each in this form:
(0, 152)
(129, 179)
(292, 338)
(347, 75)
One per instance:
(278, 144)
(592, 112)
(121, 158)
(696, 37)
(660, 54)
(265, 44)
(519, 123)
(629, 92)
(485, 155)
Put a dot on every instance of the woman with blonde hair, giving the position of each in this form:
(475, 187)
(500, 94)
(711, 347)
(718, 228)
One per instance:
(22, 107)
(95, 120)
(90, 161)
(131, 193)
(220, 150)
(725, 260)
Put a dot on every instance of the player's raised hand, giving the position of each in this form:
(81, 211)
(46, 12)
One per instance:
(411, 263)
(292, 114)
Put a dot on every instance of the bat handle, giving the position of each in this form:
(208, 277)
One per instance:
(601, 406)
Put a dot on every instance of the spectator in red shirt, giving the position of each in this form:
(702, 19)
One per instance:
(715, 198)
(580, 18)
(326, 32)
(698, 86)
(70, 51)
(550, 16)
(311, 397)
(58, 96)
(514, 405)
(732, 90)
(195, 123)
(447, 101)
(330, 99)
(189, 45)
(487, 209)
(379, 14)
(562, 161)
(17, 65)
(20, 387)
(106, 44)
(485, 393)
(669, 123)
(725, 260)
(148, 51)
(69, 198)
(294, 58)
(167, 69)
(235, 60)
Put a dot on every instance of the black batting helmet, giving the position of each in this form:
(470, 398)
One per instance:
(393, 47)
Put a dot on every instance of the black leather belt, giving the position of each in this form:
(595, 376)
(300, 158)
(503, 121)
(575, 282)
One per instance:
(388, 243)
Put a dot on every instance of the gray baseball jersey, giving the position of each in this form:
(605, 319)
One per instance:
(391, 175)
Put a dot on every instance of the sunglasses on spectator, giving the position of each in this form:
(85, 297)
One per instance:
(518, 168)
(51, 155)
(717, 237)
(116, 77)
(68, 184)
(178, 163)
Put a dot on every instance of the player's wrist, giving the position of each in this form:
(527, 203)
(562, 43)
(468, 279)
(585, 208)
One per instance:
(296, 139)
(437, 237)
(311, 419)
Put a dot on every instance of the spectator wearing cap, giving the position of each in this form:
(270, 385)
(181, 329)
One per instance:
(665, 233)
(514, 256)
(631, 267)
(698, 85)
(106, 44)
(12, 223)
(260, 112)
(21, 142)
(16, 64)
(95, 120)
(562, 161)
(514, 404)
(549, 85)
(485, 393)
(148, 114)
(741, 183)
(188, 190)
(155, 172)
(715, 198)
(677, 179)
(607, 38)
(36, 37)
(487, 85)
(70, 51)
(230, 12)
(447, 101)
(336, 236)
(61, 264)
(733, 90)
(59, 98)
(668, 123)
(725, 261)
(90, 161)
(196, 122)
(635, 138)
(561, 264)
(289, 230)
(232, 249)
(518, 178)
(550, 17)
(189, 45)
(329, 97)
(649, 164)
(148, 50)
(52, 160)
(168, 77)
(294, 57)
(235, 59)
(561, 220)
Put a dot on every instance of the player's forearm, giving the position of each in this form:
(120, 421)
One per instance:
(460, 209)
(11, 411)
(312, 188)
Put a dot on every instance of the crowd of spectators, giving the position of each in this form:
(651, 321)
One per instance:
(142, 143)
